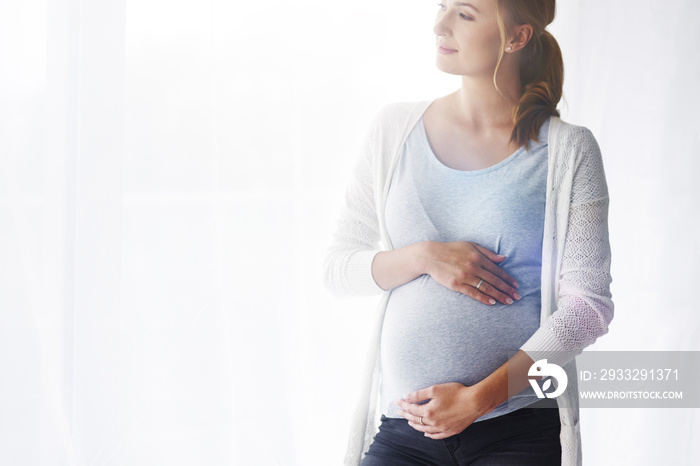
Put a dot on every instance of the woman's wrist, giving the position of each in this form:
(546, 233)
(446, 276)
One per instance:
(424, 256)
(509, 379)
(399, 266)
(488, 396)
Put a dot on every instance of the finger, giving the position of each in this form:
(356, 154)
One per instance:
(489, 253)
(472, 292)
(496, 282)
(438, 435)
(490, 290)
(424, 394)
(425, 429)
(413, 409)
(498, 271)
(420, 420)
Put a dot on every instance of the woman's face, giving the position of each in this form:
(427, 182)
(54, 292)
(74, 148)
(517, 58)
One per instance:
(467, 37)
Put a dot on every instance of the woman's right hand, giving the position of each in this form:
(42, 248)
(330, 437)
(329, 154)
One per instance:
(461, 265)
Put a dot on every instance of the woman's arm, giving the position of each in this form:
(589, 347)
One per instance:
(584, 306)
(348, 260)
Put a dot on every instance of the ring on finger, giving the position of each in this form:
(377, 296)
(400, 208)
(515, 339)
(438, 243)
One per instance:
(480, 283)
(421, 421)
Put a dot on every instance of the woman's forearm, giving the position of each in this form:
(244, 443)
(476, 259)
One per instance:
(493, 390)
(399, 266)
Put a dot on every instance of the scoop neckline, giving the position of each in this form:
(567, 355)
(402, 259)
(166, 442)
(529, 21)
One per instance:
(435, 161)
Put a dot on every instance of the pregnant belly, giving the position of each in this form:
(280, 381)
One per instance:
(434, 335)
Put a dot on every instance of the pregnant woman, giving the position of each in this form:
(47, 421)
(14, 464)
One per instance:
(481, 217)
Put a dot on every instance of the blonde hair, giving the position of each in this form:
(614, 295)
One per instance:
(541, 66)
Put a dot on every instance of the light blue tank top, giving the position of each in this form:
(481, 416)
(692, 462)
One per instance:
(434, 335)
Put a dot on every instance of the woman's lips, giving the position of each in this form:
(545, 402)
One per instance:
(445, 50)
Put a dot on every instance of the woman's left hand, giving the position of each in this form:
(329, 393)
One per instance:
(450, 408)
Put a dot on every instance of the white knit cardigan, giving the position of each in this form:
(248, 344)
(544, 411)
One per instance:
(576, 300)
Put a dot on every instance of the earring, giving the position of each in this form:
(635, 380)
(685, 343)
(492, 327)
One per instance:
(509, 48)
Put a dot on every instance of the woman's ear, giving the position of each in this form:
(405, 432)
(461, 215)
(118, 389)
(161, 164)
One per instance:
(521, 36)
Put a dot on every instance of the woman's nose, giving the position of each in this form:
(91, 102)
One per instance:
(441, 24)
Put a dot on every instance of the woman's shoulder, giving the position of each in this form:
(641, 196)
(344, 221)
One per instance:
(388, 127)
(575, 144)
(402, 108)
(395, 115)
(579, 151)
(568, 133)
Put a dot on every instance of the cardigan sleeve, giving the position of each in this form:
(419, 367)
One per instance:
(584, 302)
(348, 260)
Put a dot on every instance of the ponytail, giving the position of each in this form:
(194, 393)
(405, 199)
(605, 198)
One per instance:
(541, 68)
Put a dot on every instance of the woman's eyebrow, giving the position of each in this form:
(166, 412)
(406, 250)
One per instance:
(467, 4)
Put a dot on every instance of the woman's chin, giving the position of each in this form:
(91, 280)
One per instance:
(448, 69)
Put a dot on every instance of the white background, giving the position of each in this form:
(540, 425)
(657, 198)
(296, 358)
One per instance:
(170, 175)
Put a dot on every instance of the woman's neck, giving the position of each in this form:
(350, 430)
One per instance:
(478, 104)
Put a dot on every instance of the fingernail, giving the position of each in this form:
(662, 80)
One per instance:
(516, 285)
(517, 295)
(492, 301)
(509, 301)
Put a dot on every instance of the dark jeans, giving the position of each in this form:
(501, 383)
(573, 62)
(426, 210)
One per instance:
(527, 436)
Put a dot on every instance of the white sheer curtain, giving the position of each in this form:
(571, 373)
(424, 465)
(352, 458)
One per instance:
(170, 173)
(631, 73)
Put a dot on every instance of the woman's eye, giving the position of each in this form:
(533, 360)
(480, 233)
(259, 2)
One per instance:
(442, 6)
(465, 17)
